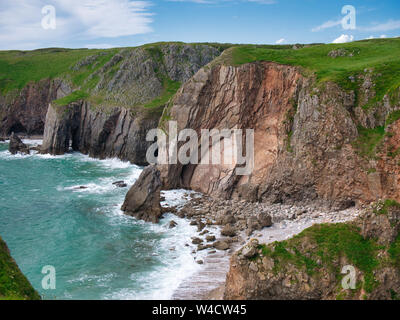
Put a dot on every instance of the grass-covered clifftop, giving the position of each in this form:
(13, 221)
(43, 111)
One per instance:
(13, 284)
(145, 76)
(340, 63)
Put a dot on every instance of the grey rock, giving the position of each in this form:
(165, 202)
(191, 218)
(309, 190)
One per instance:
(143, 199)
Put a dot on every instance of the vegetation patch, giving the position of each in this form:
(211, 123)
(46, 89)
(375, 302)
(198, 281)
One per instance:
(73, 97)
(393, 117)
(379, 55)
(13, 284)
(368, 140)
(321, 247)
(382, 207)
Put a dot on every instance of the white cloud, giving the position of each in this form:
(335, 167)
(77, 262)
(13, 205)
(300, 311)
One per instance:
(370, 37)
(343, 39)
(326, 25)
(383, 36)
(387, 26)
(280, 41)
(20, 21)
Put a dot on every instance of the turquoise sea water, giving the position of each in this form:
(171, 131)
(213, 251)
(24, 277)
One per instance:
(98, 253)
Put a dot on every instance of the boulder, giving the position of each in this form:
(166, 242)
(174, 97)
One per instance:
(196, 241)
(172, 224)
(264, 220)
(210, 238)
(16, 145)
(221, 245)
(228, 231)
(143, 199)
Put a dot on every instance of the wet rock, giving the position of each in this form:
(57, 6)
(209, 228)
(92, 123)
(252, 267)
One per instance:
(16, 145)
(197, 240)
(143, 199)
(200, 226)
(201, 247)
(210, 238)
(120, 184)
(172, 224)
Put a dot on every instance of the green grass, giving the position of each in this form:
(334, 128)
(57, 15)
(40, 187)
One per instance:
(393, 117)
(73, 97)
(13, 284)
(368, 141)
(329, 243)
(394, 252)
(18, 68)
(382, 207)
(381, 55)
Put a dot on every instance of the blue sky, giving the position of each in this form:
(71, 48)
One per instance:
(118, 23)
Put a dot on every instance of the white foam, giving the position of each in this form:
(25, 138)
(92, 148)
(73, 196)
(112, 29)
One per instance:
(179, 263)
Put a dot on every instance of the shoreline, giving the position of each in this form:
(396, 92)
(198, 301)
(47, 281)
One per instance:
(232, 230)
(287, 220)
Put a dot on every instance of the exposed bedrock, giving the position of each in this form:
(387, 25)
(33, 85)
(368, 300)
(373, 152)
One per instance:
(16, 145)
(24, 111)
(304, 137)
(309, 265)
(100, 135)
(131, 88)
(143, 199)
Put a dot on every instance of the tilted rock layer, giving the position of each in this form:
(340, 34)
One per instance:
(305, 137)
(25, 111)
(117, 127)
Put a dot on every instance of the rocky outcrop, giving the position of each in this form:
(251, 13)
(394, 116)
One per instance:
(305, 137)
(96, 133)
(24, 111)
(16, 145)
(313, 264)
(143, 199)
(128, 87)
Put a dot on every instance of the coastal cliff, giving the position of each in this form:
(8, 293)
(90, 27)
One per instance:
(314, 141)
(24, 112)
(121, 101)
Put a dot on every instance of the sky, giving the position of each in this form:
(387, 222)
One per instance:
(32, 24)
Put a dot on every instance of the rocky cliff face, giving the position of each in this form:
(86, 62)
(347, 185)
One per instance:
(307, 140)
(131, 88)
(100, 135)
(310, 265)
(25, 111)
